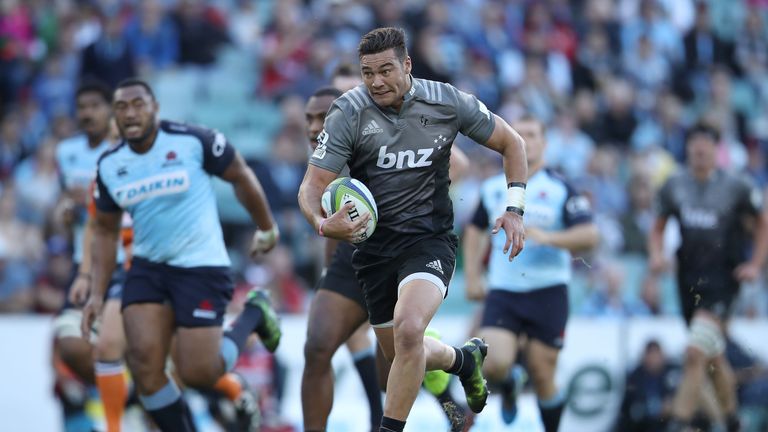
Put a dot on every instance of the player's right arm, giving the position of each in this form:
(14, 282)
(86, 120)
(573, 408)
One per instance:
(333, 152)
(337, 226)
(106, 231)
(656, 261)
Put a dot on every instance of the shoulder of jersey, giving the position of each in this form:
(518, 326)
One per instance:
(177, 128)
(111, 151)
(435, 91)
(559, 177)
(73, 141)
(354, 100)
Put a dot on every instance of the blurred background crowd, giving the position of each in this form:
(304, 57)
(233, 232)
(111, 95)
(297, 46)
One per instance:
(618, 82)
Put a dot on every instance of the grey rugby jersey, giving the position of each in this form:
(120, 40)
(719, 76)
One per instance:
(403, 158)
(711, 217)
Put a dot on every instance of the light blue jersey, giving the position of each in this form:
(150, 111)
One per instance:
(551, 205)
(169, 194)
(77, 169)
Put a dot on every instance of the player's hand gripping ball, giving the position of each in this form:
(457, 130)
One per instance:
(344, 190)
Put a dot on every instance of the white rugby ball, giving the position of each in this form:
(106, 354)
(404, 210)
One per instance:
(344, 190)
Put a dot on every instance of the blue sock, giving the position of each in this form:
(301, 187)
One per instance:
(168, 409)
(551, 410)
(229, 352)
(250, 318)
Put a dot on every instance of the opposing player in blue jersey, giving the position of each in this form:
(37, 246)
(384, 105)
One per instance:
(528, 296)
(178, 283)
(76, 158)
(395, 133)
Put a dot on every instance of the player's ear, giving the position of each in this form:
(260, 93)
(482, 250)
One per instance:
(407, 65)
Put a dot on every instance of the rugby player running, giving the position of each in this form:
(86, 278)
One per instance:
(530, 295)
(711, 207)
(395, 133)
(179, 283)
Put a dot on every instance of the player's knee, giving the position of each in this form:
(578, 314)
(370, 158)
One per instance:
(109, 348)
(74, 350)
(542, 378)
(409, 334)
(199, 377)
(705, 339)
(318, 350)
(694, 357)
(495, 369)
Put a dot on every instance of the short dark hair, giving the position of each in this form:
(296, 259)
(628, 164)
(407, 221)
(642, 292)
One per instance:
(327, 91)
(382, 39)
(703, 128)
(130, 82)
(94, 86)
(528, 117)
(345, 70)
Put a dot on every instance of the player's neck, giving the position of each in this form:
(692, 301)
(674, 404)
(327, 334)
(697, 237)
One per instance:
(534, 168)
(397, 106)
(702, 174)
(145, 145)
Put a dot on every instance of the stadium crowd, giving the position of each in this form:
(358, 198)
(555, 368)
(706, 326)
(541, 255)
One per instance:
(617, 82)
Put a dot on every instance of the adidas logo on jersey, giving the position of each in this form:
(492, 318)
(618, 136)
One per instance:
(372, 128)
(435, 265)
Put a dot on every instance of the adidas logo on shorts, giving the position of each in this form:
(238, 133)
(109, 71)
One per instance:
(372, 128)
(435, 265)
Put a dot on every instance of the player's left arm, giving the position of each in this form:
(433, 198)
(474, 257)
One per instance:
(221, 159)
(511, 146)
(251, 195)
(580, 231)
(753, 204)
(490, 130)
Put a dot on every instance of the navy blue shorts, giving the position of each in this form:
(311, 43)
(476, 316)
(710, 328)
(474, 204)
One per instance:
(432, 259)
(540, 314)
(114, 290)
(340, 276)
(197, 295)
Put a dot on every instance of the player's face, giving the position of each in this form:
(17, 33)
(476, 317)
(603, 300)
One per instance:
(533, 133)
(93, 113)
(135, 113)
(701, 150)
(314, 112)
(386, 77)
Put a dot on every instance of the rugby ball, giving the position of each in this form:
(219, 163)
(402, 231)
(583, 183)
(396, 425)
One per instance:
(344, 190)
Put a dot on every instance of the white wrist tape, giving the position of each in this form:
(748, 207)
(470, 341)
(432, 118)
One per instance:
(265, 240)
(516, 197)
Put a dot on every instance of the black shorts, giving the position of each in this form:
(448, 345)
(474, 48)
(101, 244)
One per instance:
(340, 276)
(714, 292)
(114, 290)
(197, 295)
(380, 277)
(541, 314)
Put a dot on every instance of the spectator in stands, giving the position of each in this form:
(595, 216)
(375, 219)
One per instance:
(37, 184)
(109, 59)
(201, 32)
(152, 37)
(15, 283)
(636, 222)
(752, 385)
(648, 394)
(618, 122)
(11, 150)
(704, 48)
(569, 149)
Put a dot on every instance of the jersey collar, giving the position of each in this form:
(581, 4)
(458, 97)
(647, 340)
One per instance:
(417, 90)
